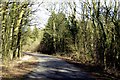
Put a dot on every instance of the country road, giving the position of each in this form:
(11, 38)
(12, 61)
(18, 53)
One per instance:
(52, 68)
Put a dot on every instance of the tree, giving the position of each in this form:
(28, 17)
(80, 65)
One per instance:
(35, 33)
(56, 34)
(14, 15)
(92, 30)
(73, 26)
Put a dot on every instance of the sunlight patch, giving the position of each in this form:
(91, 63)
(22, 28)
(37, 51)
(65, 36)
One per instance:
(26, 58)
(63, 70)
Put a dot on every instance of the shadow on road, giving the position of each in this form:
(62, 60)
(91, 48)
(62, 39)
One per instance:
(53, 68)
(62, 68)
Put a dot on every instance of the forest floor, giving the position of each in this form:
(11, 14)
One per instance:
(95, 71)
(16, 69)
(26, 66)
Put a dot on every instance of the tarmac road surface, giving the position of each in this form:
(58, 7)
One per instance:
(52, 68)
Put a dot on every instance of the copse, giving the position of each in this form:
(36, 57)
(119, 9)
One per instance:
(89, 30)
(14, 16)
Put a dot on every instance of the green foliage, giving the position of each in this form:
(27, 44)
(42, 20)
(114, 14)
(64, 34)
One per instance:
(94, 38)
(57, 36)
(35, 33)
(31, 39)
(14, 16)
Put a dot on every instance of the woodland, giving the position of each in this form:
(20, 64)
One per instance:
(87, 32)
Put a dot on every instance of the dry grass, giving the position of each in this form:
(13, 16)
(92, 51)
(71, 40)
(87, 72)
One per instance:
(94, 71)
(19, 68)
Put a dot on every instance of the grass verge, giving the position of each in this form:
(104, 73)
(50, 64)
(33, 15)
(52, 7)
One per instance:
(18, 68)
(94, 71)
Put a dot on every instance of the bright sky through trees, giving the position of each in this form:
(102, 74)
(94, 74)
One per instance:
(41, 15)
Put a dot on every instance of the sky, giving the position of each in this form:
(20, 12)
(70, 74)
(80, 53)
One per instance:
(41, 16)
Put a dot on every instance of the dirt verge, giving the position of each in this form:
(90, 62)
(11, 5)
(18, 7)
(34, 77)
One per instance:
(18, 68)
